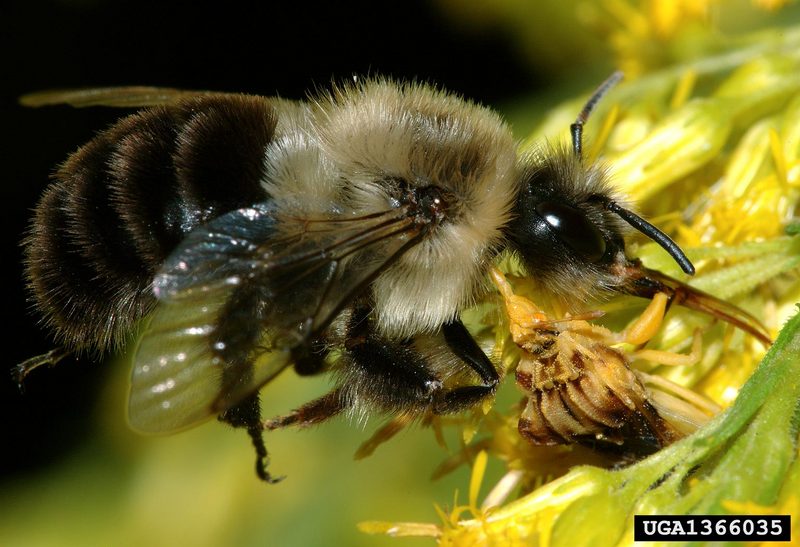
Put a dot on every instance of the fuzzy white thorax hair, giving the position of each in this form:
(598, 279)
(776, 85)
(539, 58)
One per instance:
(350, 142)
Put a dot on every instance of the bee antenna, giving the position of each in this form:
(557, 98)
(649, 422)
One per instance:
(653, 233)
(576, 129)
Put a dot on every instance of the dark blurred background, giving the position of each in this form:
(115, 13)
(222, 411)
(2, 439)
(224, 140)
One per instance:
(267, 48)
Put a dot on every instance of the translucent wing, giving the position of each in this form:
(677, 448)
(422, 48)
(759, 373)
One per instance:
(122, 97)
(239, 294)
(176, 378)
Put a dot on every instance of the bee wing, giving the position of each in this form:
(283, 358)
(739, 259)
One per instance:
(239, 294)
(121, 97)
(176, 378)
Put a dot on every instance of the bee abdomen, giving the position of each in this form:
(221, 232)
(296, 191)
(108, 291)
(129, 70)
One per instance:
(122, 202)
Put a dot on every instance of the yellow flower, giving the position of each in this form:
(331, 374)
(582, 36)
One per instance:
(641, 36)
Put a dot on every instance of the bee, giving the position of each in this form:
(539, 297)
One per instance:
(345, 233)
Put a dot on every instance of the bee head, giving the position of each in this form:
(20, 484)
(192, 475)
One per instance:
(568, 228)
(563, 233)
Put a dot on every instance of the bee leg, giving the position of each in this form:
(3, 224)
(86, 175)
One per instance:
(312, 413)
(386, 374)
(51, 358)
(247, 415)
(401, 376)
(309, 359)
(463, 346)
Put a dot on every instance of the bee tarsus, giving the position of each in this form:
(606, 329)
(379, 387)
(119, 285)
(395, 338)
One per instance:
(51, 358)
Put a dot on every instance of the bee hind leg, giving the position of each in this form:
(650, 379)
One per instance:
(247, 415)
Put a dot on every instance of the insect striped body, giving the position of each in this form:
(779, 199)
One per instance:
(123, 202)
(346, 232)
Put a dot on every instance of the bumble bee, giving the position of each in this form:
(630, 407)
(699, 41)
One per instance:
(345, 232)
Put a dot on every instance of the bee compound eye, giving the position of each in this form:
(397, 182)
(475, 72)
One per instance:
(573, 227)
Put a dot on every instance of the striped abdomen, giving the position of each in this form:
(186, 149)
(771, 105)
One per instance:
(122, 202)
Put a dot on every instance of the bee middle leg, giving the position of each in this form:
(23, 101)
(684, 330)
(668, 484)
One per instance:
(464, 347)
(410, 375)
(312, 413)
(399, 377)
